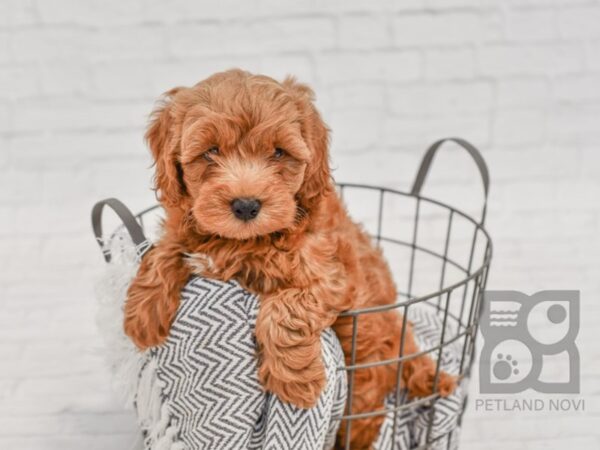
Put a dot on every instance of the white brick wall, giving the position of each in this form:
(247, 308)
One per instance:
(520, 78)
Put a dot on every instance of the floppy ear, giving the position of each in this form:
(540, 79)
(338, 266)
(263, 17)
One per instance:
(163, 141)
(317, 178)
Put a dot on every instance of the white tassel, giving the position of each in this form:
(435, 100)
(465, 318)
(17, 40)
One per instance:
(123, 358)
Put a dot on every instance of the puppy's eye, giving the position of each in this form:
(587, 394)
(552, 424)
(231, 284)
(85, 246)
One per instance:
(278, 153)
(210, 152)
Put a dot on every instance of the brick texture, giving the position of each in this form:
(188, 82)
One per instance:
(519, 78)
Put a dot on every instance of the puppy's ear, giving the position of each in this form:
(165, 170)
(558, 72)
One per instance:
(317, 178)
(164, 143)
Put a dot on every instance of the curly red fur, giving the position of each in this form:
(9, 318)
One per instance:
(302, 254)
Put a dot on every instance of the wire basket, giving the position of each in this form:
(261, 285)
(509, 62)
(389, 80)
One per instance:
(451, 278)
(440, 258)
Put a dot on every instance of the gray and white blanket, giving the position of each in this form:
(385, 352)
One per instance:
(200, 390)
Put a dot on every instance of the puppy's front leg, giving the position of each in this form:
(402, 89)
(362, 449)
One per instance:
(153, 296)
(288, 330)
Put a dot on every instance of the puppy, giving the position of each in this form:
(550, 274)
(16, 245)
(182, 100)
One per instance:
(242, 173)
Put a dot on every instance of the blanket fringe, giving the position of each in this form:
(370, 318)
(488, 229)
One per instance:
(153, 414)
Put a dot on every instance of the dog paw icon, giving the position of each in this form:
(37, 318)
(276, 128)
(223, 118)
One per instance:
(505, 367)
(510, 362)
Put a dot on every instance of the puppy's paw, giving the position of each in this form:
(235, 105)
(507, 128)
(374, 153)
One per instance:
(143, 335)
(300, 387)
(301, 394)
(149, 312)
(421, 382)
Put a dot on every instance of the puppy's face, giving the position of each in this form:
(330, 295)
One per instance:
(244, 155)
(243, 177)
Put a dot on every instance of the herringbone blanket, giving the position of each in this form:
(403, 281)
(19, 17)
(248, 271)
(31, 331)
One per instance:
(200, 389)
(207, 372)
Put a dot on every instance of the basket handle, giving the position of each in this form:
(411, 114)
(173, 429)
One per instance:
(473, 152)
(129, 221)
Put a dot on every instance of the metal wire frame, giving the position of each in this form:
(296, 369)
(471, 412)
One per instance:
(466, 328)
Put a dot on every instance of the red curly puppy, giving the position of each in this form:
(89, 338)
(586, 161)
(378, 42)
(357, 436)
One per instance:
(243, 175)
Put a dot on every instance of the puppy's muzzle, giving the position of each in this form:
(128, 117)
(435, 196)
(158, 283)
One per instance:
(245, 208)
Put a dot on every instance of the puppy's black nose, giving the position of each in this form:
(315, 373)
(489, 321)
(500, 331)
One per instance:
(245, 208)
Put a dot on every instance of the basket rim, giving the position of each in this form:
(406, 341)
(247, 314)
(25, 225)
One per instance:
(412, 300)
(463, 214)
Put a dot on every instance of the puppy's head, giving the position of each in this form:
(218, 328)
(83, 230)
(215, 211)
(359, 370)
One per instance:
(240, 155)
